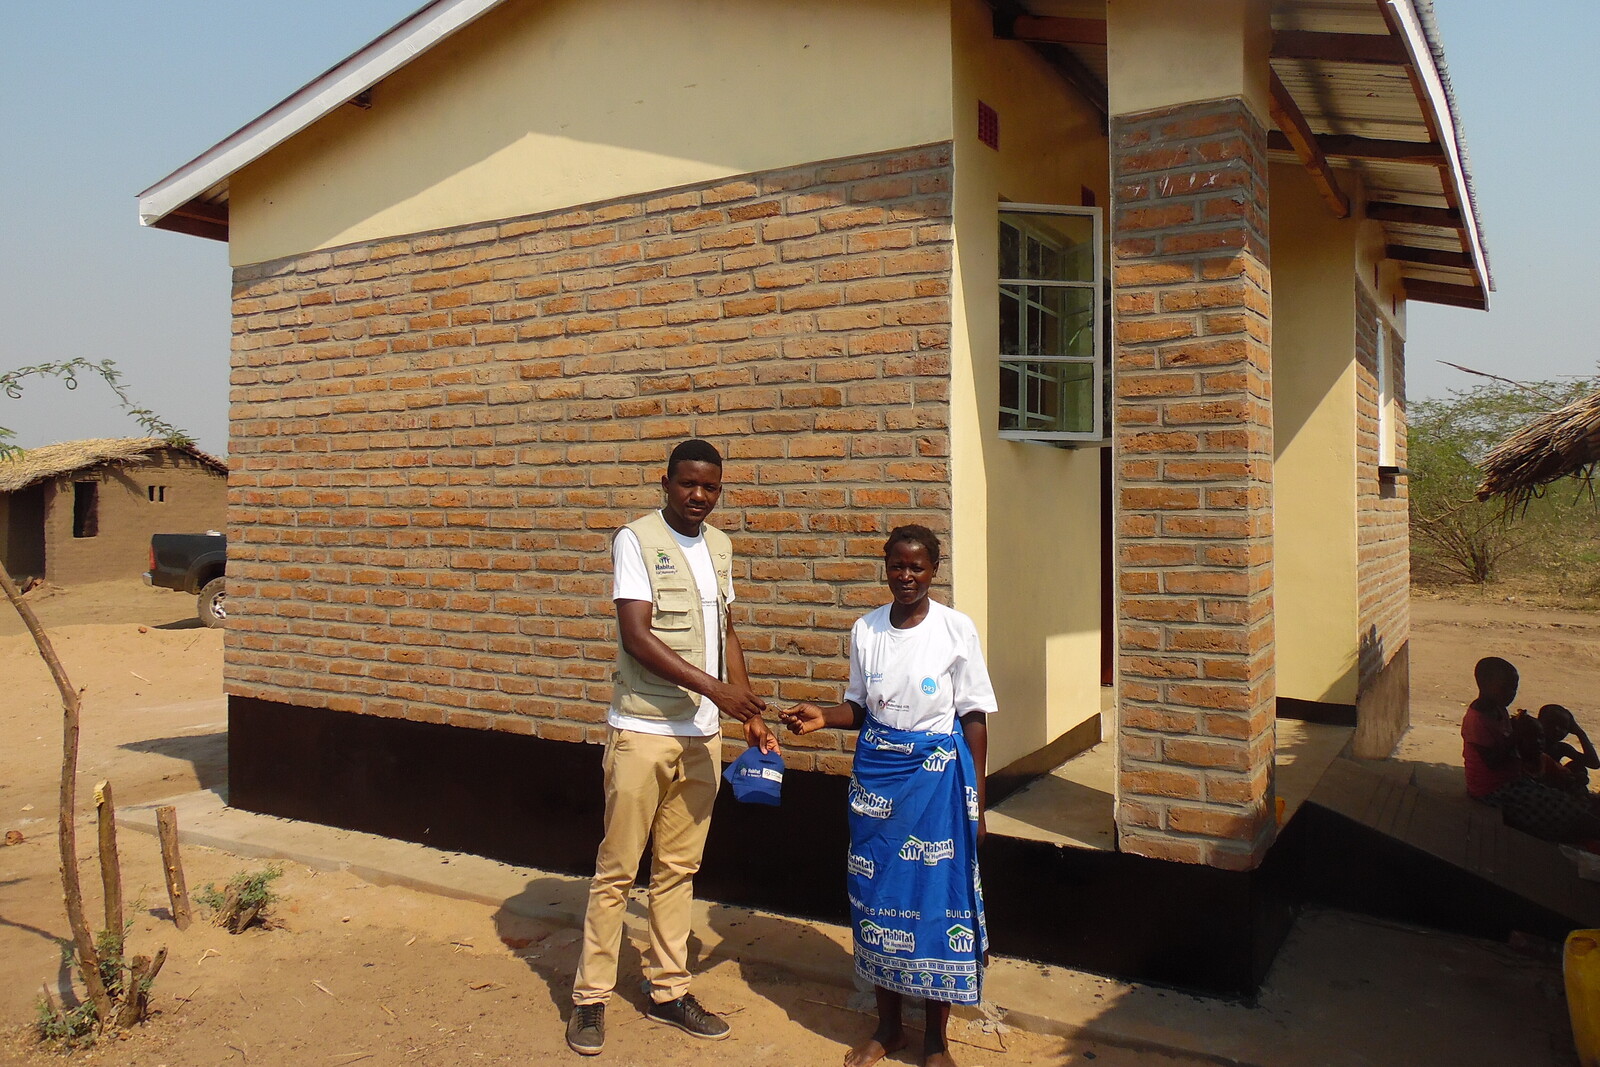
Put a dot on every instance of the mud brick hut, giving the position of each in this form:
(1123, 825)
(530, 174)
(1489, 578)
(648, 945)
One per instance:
(83, 511)
(1111, 294)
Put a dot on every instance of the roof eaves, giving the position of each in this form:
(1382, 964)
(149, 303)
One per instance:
(1420, 32)
(413, 36)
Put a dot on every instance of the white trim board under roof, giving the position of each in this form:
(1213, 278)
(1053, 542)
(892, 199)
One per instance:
(1365, 79)
(193, 198)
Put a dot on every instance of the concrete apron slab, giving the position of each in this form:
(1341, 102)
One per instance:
(1328, 1022)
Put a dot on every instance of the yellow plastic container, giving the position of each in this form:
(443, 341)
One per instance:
(1581, 966)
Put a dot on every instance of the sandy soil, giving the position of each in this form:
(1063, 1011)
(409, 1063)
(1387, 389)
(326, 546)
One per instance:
(1557, 653)
(351, 973)
(354, 973)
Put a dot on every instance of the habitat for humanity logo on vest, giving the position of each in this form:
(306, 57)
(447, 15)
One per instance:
(664, 563)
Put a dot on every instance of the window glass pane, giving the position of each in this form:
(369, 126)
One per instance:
(1038, 320)
(1050, 397)
(1010, 250)
(1011, 336)
(1057, 248)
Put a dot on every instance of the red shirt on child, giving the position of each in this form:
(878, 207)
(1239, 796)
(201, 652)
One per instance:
(1486, 730)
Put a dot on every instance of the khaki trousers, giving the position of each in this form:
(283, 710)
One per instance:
(656, 786)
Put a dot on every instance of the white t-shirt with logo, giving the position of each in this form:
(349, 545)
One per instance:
(922, 678)
(630, 581)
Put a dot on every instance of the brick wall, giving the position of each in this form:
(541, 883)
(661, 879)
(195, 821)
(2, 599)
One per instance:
(195, 500)
(434, 438)
(1383, 547)
(1193, 475)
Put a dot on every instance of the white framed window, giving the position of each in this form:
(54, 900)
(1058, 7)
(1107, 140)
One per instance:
(1386, 397)
(1052, 324)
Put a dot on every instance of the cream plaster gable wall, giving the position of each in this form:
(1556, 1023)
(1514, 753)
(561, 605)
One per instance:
(544, 104)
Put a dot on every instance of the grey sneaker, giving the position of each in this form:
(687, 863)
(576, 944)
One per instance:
(586, 1029)
(687, 1015)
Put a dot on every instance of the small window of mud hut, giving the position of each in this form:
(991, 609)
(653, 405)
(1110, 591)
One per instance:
(85, 509)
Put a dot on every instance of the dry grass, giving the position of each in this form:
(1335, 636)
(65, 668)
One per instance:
(1529, 589)
(1554, 445)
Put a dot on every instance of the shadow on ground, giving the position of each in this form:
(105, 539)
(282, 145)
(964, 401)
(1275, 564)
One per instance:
(730, 933)
(207, 753)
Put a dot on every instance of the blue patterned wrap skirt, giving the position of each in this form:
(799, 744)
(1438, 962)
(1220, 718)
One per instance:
(916, 900)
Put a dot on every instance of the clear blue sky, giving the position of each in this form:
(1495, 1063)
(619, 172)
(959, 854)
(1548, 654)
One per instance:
(100, 98)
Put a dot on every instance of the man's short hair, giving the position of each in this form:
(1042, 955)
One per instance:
(1491, 669)
(694, 450)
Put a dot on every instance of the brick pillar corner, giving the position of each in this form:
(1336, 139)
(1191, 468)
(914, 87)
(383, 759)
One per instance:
(1193, 468)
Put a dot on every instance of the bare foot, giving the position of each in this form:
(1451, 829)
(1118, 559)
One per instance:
(938, 1059)
(874, 1049)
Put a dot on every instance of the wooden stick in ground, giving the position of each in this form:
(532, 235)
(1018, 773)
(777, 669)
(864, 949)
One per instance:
(66, 830)
(136, 1000)
(177, 891)
(50, 1001)
(110, 861)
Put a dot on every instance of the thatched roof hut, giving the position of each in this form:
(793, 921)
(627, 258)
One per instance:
(49, 461)
(84, 511)
(1554, 445)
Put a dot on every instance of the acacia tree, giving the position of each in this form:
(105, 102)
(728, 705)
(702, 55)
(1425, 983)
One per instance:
(117, 999)
(1456, 537)
(67, 372)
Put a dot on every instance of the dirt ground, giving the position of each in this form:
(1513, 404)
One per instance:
(1556, 651)
(354, 973)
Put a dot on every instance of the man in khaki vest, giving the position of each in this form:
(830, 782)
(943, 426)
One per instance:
(679, 667)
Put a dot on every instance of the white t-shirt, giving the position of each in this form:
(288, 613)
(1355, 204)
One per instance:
(921, 678)
(630, 581)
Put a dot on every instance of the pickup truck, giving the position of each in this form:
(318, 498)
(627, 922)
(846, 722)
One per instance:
(192, 563)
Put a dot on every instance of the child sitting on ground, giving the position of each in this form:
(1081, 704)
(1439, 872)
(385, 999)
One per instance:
(1492, 758)
(1573, 766)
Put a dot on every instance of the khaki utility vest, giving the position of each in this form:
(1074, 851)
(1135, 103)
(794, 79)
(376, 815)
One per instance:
(676, 618)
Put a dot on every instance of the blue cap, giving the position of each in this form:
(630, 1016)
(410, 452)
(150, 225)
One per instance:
(756, 776)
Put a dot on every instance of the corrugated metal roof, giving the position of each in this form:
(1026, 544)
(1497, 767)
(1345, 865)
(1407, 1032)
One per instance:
(1379, 101)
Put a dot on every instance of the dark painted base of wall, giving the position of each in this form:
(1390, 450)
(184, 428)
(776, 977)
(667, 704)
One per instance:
(522, 800)
(1317, 711)
(537, 803)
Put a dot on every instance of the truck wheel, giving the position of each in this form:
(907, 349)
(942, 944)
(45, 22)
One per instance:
(214, 602)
